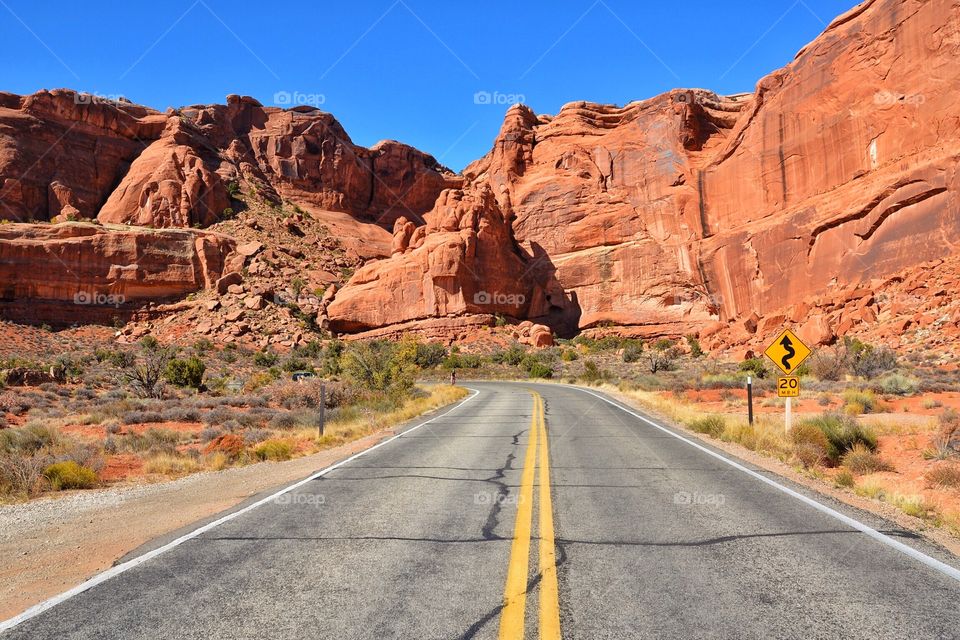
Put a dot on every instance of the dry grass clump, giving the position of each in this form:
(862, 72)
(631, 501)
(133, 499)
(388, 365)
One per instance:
(862, 461)
(944, 477)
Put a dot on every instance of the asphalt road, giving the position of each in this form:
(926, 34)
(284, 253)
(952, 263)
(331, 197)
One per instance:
(445, 533)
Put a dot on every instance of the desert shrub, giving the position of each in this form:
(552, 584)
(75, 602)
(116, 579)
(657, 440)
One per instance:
(185, 372)
(219, 415)
(210, 433)
(944, 476)
(896, 384)
(842, 433)
(257, 381)
(181, 414)
(145, 374)
(512, 356)
(810, 444)
(857, 402)
(932, 403)
(569, 355)
(265, 358)
(253, 436)
(712, 426)
(755, 367)
(861, 460)
(380, 366)
(462, 361)
(30, 438)
(286, 420)
(429, 355)
(661, 356)
(695, 349)
(868, 361)
(332, 355)
(22, 474)
(294, 364)
(593, 374)
(142, 417)
(944, 443)
(632, 351)
(149, 343)
(70, 475)
(312, 349)
(539, 370)
(845, 479)
(274, 450)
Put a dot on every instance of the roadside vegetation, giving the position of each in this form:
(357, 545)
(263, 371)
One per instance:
(869, 422)
(153, 411)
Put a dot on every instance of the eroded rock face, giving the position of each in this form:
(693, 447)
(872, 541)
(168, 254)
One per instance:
(463, 261)
(667, 215)
(88, 271)
(76, 155)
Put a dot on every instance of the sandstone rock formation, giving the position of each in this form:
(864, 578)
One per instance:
(64, 152)
(692, 210)
(79, 272)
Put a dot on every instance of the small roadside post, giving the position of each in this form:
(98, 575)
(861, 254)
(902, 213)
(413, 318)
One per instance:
(750, 399)
(323, 406)
(788, 352)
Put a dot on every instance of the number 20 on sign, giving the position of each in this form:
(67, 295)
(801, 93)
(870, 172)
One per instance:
(788, 387)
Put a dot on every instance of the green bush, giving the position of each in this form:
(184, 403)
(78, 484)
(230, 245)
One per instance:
(755, 367)
(511, 356)
(186, 372)
(275, 450)
(695, 349)
(380, 366)
(540, 370)
(430, 355)
(845, 479)
(842, 432)
(712, 426)
(462, 361)
(70, 475)
(265, 359)
(896, 384)
(868, 361)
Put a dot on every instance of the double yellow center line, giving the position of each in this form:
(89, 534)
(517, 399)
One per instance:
(515, 592)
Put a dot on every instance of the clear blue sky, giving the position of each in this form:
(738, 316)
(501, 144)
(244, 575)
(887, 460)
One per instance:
(403, 69)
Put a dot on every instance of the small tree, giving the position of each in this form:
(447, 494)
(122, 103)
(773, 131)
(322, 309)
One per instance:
(662, 356)
(145, 374)
(185, 372)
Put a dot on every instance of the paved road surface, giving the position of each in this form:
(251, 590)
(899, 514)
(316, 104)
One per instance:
(445, 533)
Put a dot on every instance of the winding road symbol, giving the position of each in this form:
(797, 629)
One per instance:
(790, 352)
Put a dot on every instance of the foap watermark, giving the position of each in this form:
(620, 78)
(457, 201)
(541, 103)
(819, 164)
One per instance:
(298, 98)
(99, 299)
(699, 499)
(885, 97)
(98, 98)
(495, 297)
(490, 498)
(497, 98)
(304, 499)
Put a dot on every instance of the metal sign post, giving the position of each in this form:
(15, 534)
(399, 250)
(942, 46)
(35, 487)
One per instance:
(323, 406)
(750, 399)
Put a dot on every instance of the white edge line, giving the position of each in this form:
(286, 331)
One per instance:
(112, 572)
(932, 563)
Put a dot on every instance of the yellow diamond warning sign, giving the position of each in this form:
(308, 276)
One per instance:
(787, 351)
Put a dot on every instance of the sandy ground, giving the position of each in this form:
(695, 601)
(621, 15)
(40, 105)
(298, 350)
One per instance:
(52, 544)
